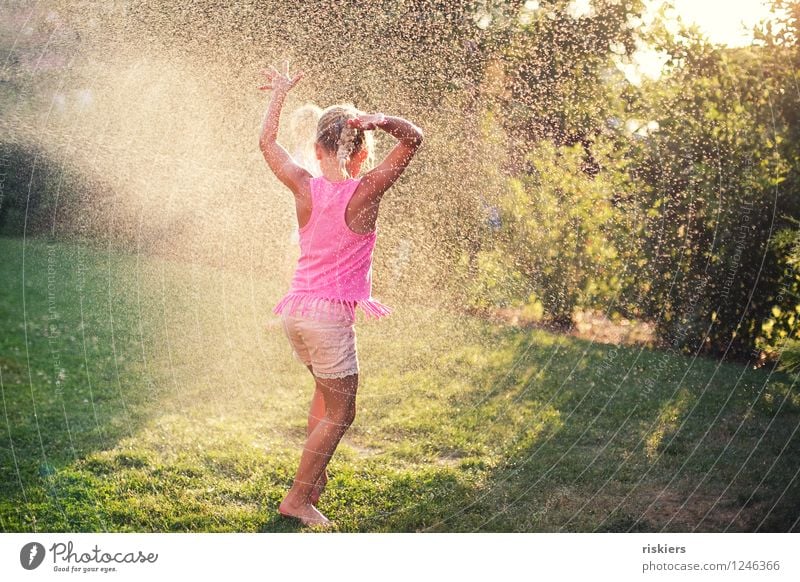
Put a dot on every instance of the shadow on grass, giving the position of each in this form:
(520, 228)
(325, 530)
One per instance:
(632, 440)
(74, 376)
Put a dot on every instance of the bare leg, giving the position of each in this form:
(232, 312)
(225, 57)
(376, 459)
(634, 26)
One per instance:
(315, 414)
(340, 409)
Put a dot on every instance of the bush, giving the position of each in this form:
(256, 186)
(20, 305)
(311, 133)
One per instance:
(34, 191)
(779, 333)
(562, 231)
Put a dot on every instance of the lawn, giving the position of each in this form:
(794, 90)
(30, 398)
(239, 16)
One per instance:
(146, 395)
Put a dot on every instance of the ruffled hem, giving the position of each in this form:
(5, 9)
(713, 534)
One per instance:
(333, 375)
(303, 304)
(374, 308)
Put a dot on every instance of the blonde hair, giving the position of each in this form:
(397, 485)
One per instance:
(303, 124)
(335, 136)
(302, 135)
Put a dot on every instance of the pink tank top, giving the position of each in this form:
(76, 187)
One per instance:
(334, 271)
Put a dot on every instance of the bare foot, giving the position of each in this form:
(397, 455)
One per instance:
(305, 512)
(318, 488)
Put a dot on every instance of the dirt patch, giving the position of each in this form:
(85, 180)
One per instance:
(450, 459)
(588, 325)
(362, 451)
(705, 511)
(595, 325)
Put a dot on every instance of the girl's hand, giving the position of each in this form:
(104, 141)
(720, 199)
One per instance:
(366, 121)
(280, 81)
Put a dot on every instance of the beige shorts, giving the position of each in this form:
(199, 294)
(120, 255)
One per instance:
(329, 347)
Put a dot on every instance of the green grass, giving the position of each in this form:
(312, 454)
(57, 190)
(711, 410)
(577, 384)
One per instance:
(140, 394)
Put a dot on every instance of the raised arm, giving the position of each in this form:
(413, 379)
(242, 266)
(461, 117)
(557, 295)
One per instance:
(378, 180)
(280, 162)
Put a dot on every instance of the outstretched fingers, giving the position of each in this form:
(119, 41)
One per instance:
(277, 79)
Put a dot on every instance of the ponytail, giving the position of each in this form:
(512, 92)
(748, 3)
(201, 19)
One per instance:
(346, 145)
(337, 137)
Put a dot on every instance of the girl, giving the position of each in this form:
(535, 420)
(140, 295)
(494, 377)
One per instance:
(336, 215)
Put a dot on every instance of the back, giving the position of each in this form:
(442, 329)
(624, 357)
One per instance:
(335, 263)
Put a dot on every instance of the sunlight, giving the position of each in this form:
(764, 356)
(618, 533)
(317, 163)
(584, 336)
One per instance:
(722, 22)
(727, 22)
